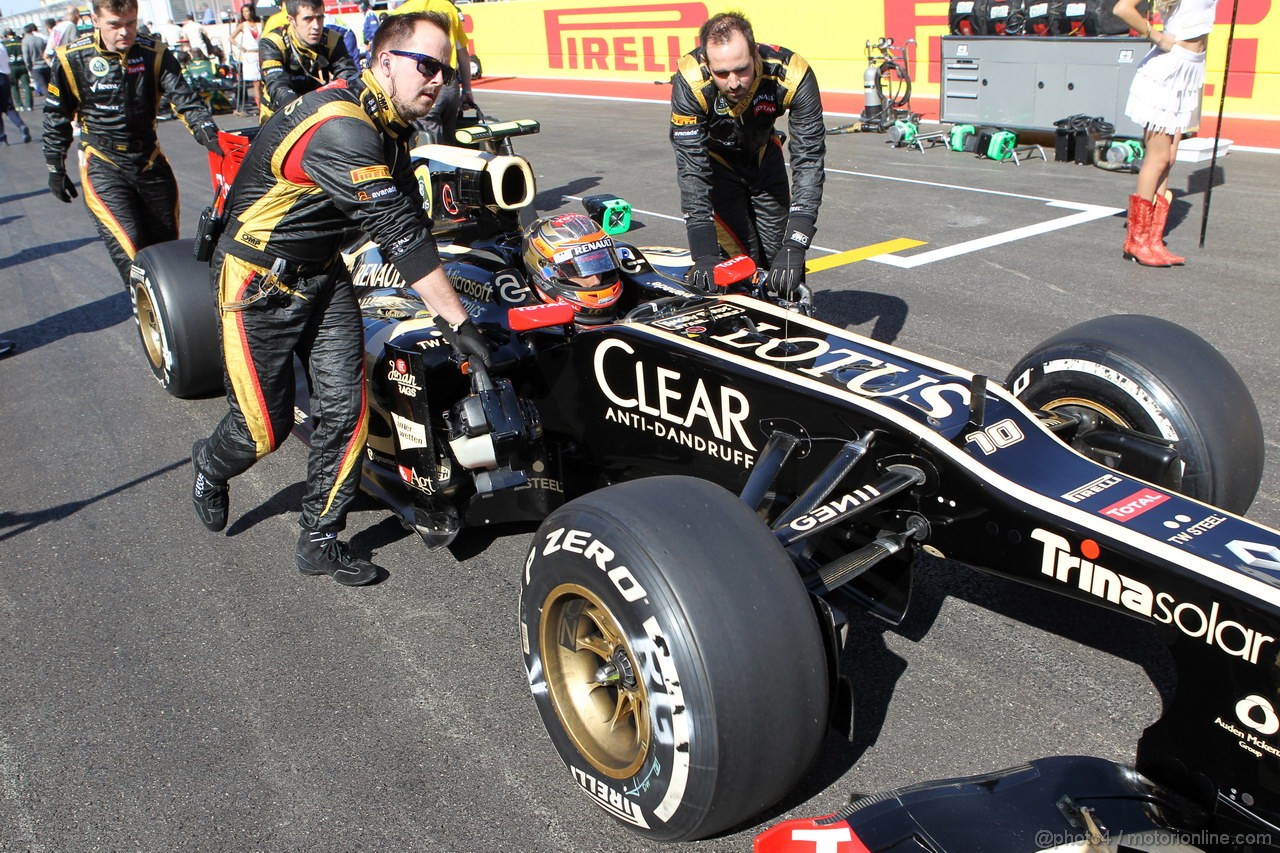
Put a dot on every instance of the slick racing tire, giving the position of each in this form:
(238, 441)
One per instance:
(177, 320)
(1149, 375)
(673, 654)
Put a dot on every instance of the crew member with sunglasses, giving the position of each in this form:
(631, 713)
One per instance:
(337, 159)
(300, 56)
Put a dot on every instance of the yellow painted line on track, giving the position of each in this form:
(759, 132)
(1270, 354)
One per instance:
(853, 255)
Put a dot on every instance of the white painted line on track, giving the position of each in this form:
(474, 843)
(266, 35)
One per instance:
(1088, 213)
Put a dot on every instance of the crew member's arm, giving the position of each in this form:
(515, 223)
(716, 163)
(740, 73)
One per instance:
(60, 105)
(808, 148)
(344, 158)
(275, 76)
(689, 111)
(189, 106)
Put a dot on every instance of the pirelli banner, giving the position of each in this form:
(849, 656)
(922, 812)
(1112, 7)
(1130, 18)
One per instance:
(641, 42)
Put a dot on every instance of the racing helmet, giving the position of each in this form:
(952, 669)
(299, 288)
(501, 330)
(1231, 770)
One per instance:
(559, 249)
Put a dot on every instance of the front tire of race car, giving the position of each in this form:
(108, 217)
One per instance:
(673, 654)
(177, 320)
(1149, 375)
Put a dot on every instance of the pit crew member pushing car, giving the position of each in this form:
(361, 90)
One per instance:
(442, 122)
(111, 82)
(339, 159)
(725, 98)
(300, 57)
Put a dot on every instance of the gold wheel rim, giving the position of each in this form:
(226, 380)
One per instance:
(594, 681)
(1094, 406)
(149, 326)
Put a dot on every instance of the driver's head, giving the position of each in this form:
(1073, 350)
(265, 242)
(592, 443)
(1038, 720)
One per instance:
(570, 259)
(306, 21)
(730, 46)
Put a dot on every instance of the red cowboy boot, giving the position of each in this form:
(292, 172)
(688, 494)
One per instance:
(1158, 221)
(1137, 241)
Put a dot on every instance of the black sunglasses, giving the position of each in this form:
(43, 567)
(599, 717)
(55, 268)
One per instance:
(429, 66)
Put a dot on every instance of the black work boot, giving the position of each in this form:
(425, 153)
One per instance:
(209, 496)
(321, 553)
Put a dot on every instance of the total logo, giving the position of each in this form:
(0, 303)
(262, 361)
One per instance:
(1188, 617)
(1133, 506)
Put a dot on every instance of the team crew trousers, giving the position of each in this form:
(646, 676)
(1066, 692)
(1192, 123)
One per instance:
(133, 199)
(320, 323)
(751, 208)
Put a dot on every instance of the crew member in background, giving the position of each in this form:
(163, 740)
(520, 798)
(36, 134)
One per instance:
(725, 98)
(19, 79)
(442, 121)
(1164, 95)
(6, 108)
(110, 82)
(300, 56)
(338, 159)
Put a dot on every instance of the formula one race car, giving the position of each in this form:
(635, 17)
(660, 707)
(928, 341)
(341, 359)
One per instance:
(723, 481)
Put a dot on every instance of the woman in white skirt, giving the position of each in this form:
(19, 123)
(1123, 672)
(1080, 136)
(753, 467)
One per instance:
(244, 43)
(1165, 93)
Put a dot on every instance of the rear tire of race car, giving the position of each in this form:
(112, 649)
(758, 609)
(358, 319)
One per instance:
(674, 655)
(177, 320)
(1153, 376)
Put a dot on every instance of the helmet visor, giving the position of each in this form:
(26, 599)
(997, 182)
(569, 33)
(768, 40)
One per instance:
(594, 261)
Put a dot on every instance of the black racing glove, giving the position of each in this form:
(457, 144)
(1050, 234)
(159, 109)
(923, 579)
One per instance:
(60, 184)
(465, 339)
(207, 135)
(706, 254)
(787, 273)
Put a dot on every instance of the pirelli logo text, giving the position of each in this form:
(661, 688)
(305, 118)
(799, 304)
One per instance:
(622, 38)
(370, 173)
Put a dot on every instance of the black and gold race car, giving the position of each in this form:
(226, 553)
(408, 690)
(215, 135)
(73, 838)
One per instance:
(723, 481)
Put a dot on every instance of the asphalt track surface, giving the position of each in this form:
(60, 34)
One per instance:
(164, 688)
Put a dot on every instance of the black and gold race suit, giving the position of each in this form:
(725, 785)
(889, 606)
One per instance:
(291, 68)
(125, 177)
(729, 162)
(330, 161)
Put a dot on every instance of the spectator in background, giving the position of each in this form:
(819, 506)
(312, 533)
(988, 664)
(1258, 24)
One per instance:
(194, 34)
(244, 48)
(62, 33)
(33, 44)
(171, 34)
(1163, 97)
(441, 123)
(369, 24)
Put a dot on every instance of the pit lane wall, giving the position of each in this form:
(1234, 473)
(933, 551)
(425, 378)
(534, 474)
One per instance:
(640, 42)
